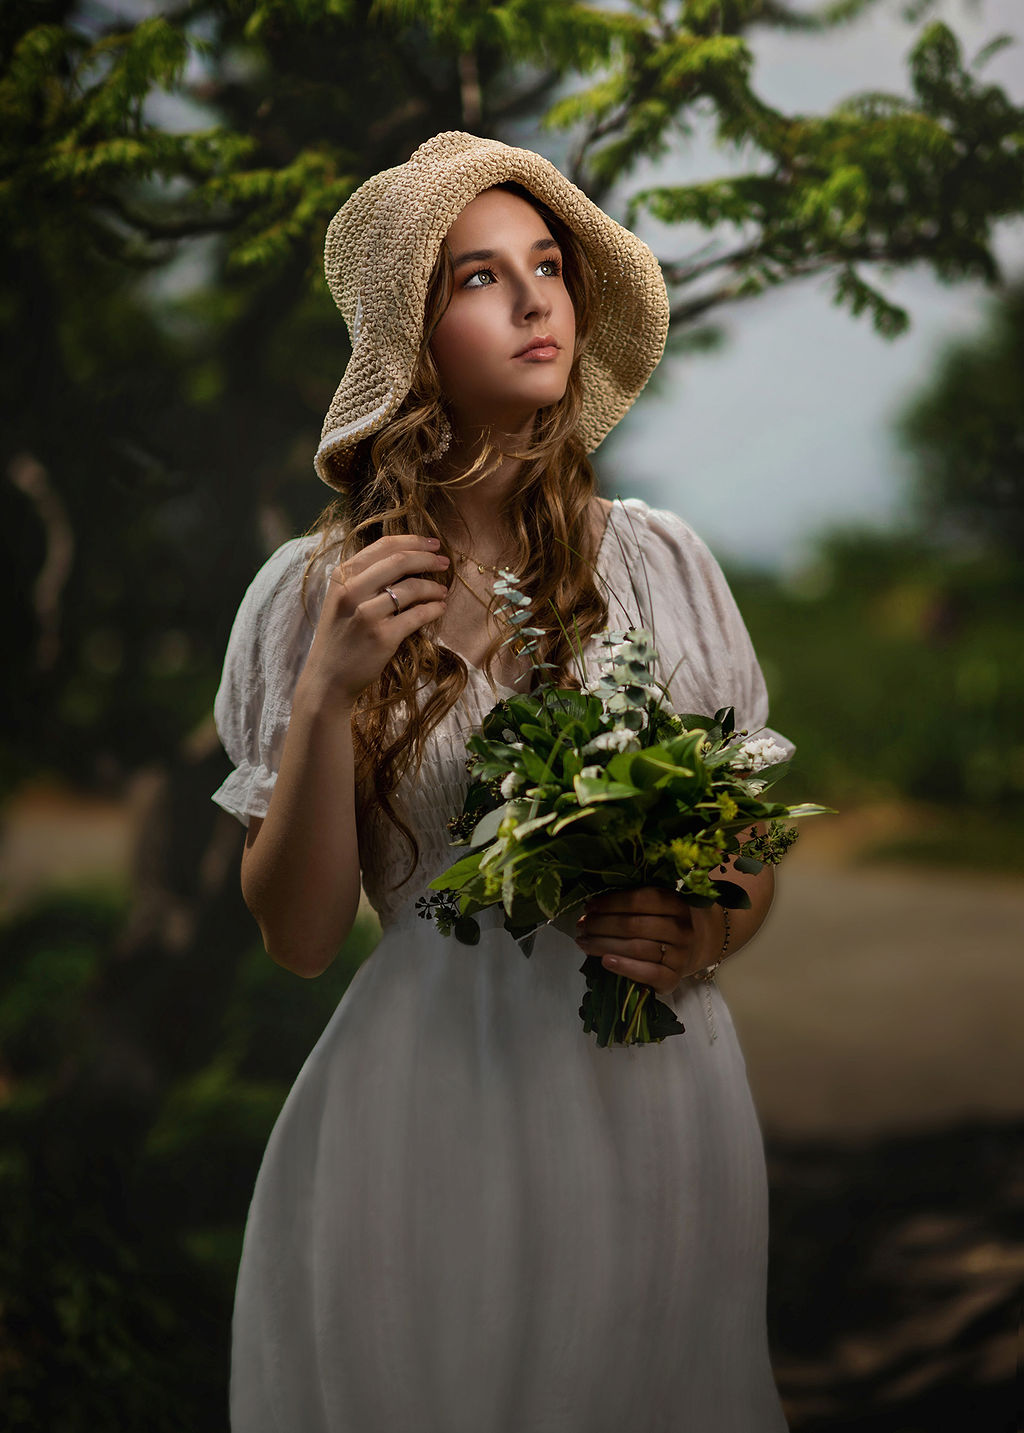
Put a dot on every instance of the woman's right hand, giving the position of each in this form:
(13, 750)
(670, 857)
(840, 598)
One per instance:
(359, 630)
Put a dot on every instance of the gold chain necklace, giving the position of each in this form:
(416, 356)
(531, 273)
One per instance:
(466, 585)
(481, 567)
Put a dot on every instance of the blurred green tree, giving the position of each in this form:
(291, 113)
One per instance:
(965, 435)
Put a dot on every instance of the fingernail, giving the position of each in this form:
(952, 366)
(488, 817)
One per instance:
(434, 541)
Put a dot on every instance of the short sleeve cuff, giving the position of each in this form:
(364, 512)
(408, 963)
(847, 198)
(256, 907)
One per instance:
(246, 792)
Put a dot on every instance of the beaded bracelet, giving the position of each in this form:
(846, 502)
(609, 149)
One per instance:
(708, 973)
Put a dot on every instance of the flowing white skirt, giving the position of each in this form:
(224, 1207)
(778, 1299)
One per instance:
(470, 1219)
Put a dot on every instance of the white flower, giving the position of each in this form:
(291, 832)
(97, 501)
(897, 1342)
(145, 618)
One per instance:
(754, 755)
(511, 785)
(620, 738)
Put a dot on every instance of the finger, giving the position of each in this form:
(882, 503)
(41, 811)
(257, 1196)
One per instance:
(396, 571)
(647, 972)
(411, 619)
(409, 592)
(395, 555)
(652, 951)
(619, 925)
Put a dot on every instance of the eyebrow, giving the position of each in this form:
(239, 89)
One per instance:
(473, 255)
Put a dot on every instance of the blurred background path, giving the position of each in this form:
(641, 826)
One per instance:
(878, 999)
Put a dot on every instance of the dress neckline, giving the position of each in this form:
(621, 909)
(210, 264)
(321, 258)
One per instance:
(501, 686)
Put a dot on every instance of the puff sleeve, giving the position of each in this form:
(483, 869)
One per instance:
(698, 625)
(267, 649)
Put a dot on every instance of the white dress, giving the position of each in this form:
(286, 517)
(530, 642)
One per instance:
(469, 1218)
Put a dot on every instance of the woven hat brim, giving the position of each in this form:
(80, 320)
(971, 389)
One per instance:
(380, 250)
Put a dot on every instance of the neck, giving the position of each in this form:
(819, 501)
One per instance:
(474, 503)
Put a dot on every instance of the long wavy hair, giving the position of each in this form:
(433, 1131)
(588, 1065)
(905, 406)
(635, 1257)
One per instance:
(388, 489)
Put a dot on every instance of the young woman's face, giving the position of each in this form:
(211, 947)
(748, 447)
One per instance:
(508, 293)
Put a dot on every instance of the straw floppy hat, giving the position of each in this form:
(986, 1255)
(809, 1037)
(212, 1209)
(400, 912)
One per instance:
(381, 248)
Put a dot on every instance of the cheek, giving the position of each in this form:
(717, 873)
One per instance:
(567, 314)
(461, 343)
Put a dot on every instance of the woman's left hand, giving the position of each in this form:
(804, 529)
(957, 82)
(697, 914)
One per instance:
(650, 935)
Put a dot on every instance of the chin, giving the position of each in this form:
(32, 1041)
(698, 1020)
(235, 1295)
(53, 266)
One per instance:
(544, 394)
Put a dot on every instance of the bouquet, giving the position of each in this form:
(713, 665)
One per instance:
(577, 792)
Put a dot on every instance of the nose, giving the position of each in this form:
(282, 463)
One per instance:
(533, 299)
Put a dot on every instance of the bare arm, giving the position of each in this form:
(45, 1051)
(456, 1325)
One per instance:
(300, 866)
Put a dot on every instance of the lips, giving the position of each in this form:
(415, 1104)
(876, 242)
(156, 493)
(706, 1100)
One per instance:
(544, 346)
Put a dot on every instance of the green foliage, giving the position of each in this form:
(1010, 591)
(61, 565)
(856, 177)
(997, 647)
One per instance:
(896, 671)
(964, 433)
(124, 1195)
(881, 179)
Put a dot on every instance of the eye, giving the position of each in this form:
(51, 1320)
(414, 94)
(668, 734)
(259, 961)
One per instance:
(555, 265)
(469, 284)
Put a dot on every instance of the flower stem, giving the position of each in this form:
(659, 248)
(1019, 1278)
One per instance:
(627, 1039)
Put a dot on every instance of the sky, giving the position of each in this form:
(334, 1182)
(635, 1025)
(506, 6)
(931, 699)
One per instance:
(785, 432)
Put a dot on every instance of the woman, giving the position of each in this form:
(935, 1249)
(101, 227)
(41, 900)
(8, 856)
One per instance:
(468, 1216)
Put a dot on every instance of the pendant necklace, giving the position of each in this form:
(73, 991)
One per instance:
(481, 567)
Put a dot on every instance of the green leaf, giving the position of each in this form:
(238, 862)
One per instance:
(732, 896)
(572, 765)
(548, 891)
(595, 788)
(456, 875)
(748, 866)
(486, 828)
(508, 887)
(526, 828)
(573, 817)
(535, 766)
(662, 1020)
